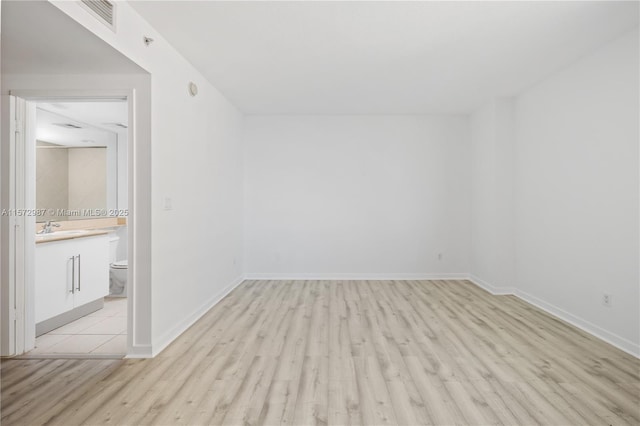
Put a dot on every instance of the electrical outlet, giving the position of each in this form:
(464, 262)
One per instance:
(606, 299)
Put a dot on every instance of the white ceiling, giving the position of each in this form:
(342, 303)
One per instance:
(95, 120)
(101, 114)
(382, 57)
(37, 38)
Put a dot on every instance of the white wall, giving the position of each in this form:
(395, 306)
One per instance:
(492, 196)
(356, 196)
(577, 192)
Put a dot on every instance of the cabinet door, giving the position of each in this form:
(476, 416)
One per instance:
(92, 275)
(53, 279)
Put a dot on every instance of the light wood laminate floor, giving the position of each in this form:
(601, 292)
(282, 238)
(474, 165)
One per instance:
(345, 352)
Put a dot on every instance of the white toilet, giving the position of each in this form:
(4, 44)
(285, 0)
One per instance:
(117, 270)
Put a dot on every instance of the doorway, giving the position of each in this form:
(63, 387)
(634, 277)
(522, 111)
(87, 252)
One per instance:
(71, 230)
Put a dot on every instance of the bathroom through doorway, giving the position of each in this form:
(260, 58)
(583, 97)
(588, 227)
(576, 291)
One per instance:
(73, 285)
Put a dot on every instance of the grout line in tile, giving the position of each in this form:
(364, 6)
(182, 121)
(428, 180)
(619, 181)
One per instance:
(112, 310)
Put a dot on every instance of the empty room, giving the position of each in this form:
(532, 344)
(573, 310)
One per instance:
(320, 212)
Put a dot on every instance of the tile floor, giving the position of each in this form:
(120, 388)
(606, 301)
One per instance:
(103, 332)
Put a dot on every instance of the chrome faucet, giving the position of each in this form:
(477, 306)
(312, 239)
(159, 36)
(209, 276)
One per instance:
(46, 228)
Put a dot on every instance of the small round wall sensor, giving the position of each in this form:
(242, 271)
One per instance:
(193, 89)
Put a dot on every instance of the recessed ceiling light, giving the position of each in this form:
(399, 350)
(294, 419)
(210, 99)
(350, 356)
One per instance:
(68, 125)
(121, 125)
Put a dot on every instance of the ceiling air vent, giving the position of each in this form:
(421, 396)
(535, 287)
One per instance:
(103, 10)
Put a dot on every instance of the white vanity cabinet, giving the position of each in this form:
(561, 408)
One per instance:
(70, 273)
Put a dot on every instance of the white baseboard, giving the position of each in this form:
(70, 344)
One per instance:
(354, 276)
(140, 351)
(168, 337)
(491, 288)
(613, 339)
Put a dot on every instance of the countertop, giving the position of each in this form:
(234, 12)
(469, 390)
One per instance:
(68, 235)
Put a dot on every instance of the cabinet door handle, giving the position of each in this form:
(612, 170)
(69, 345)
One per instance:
(79, 269)
(73, 274)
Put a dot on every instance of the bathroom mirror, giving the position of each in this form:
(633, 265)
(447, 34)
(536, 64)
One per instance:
(71, 182)
(76, 169)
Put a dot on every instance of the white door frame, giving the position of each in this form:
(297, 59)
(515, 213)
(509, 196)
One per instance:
(22, 199)
(16, 225)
